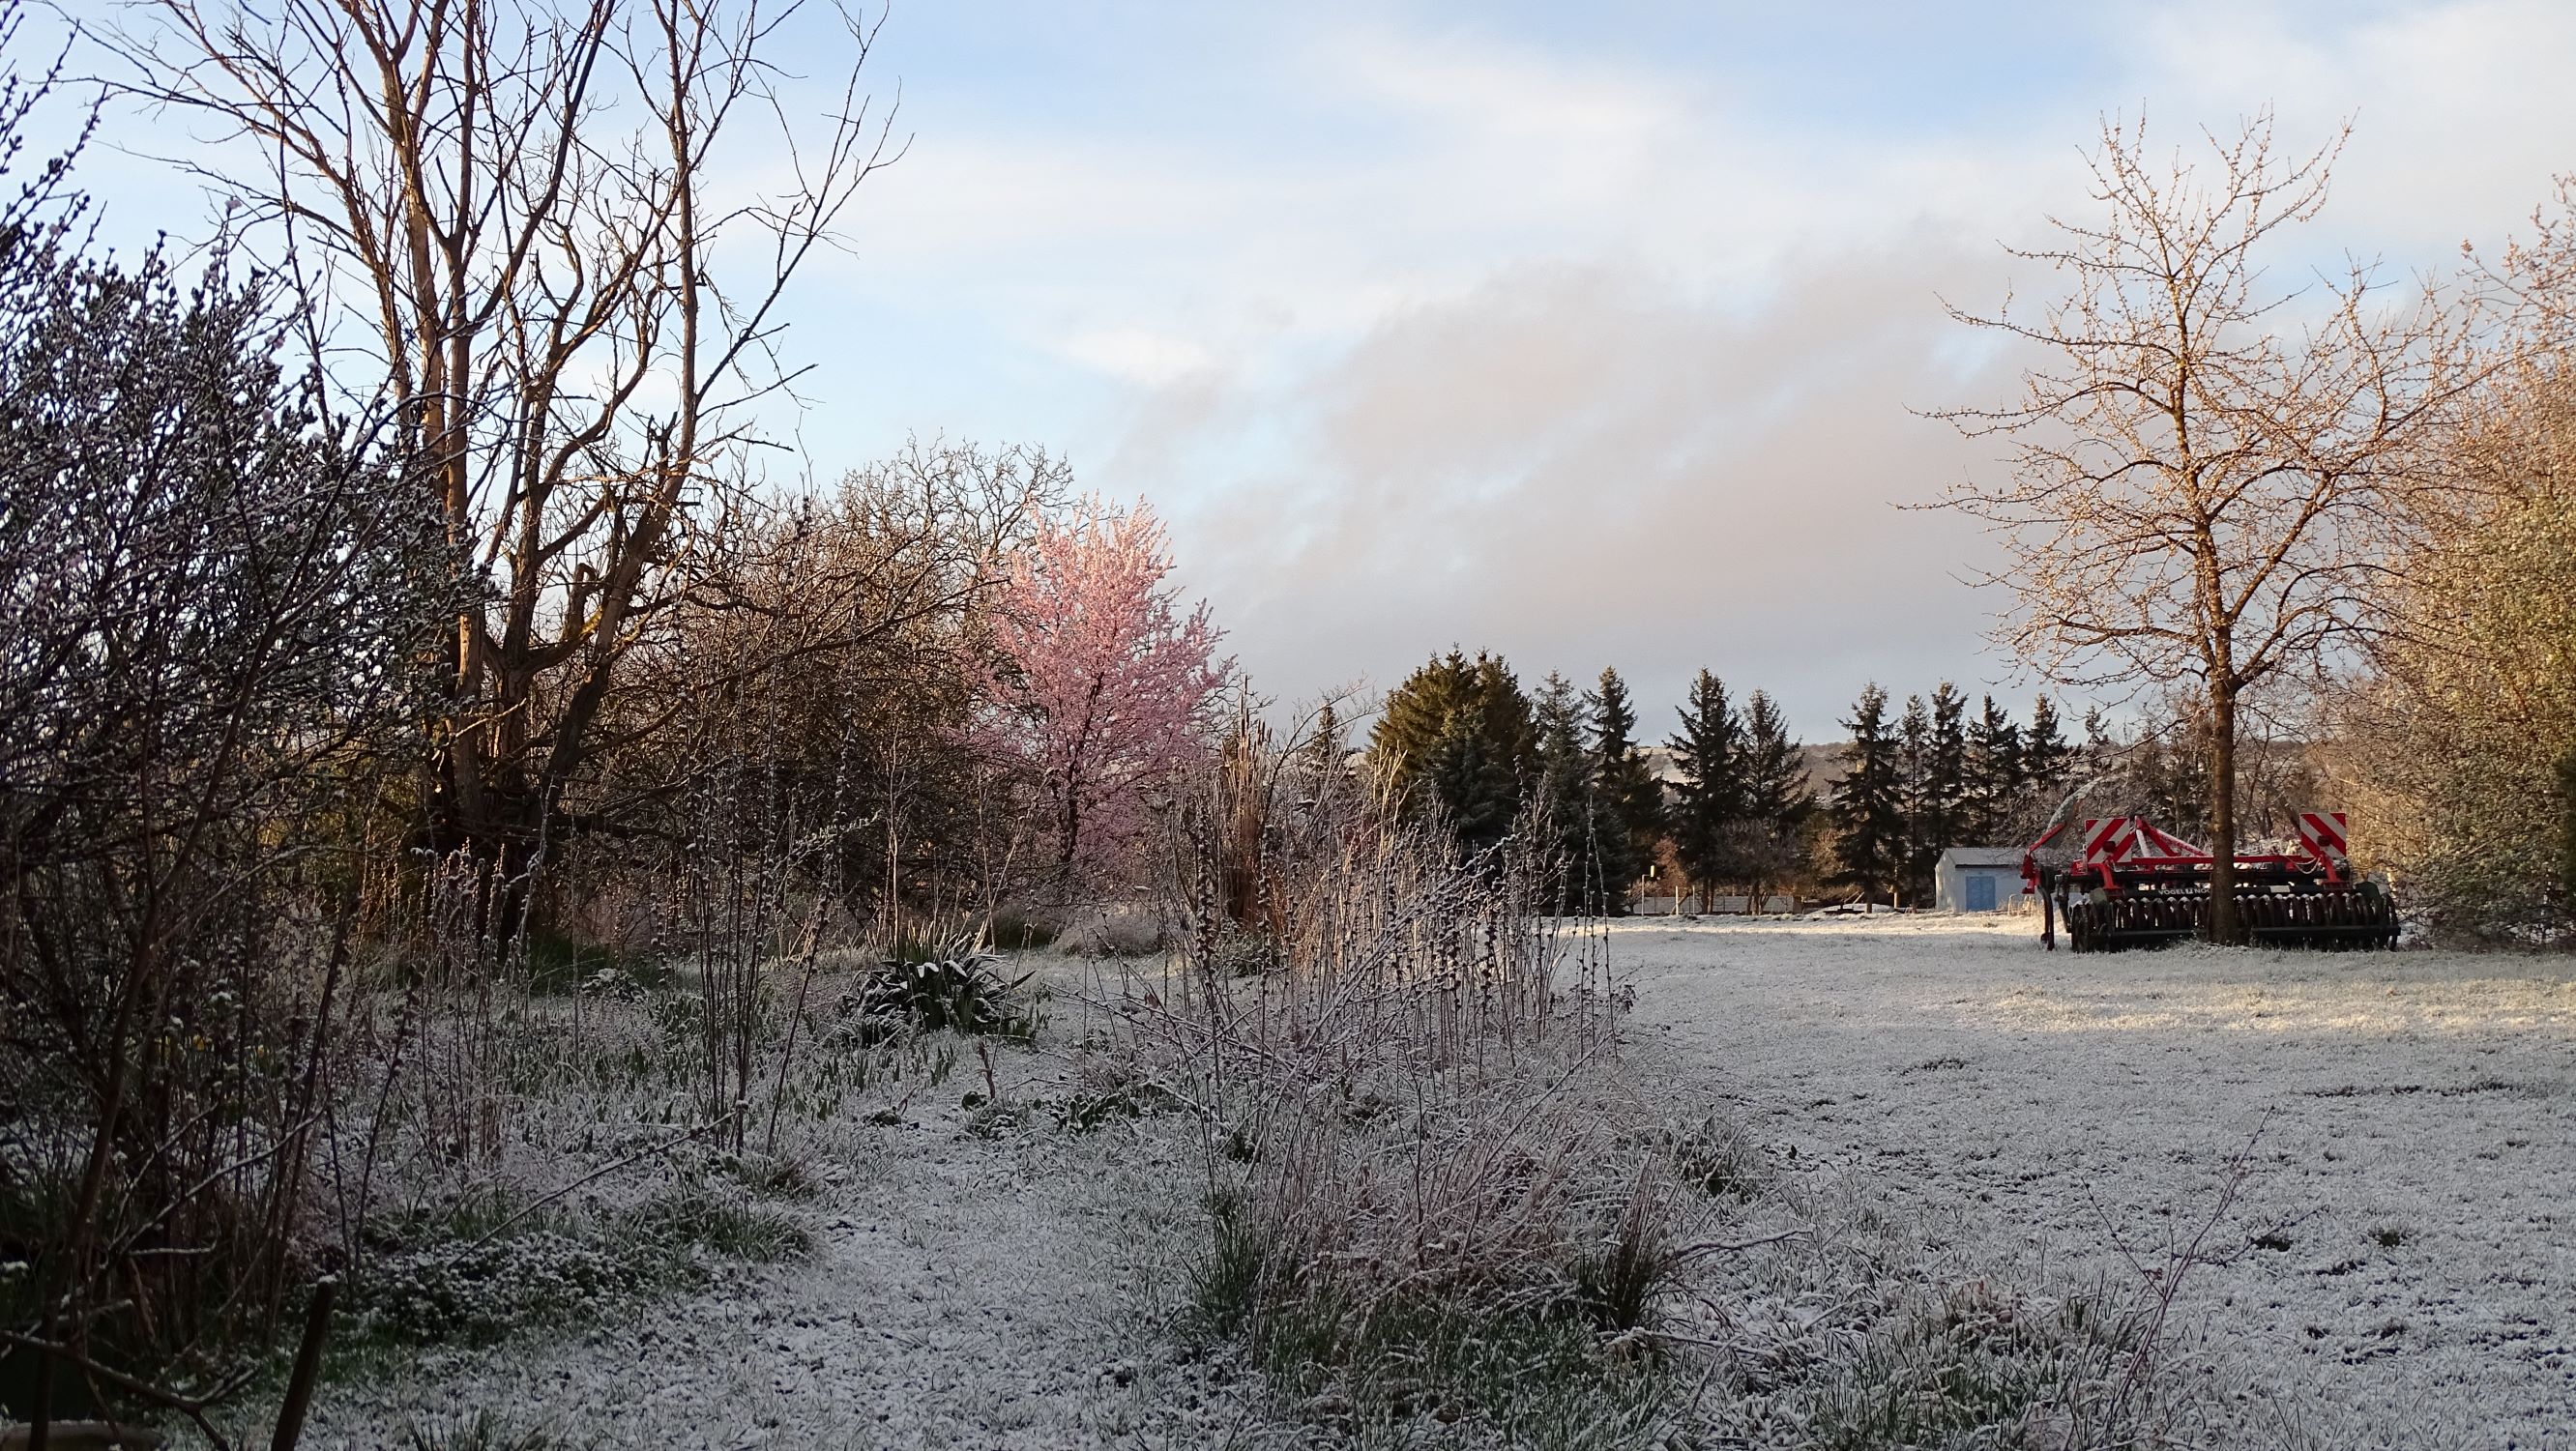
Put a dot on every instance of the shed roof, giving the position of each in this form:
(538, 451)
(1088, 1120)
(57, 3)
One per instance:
(1981, 856)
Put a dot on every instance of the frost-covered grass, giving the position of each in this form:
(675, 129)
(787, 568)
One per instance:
(1437, 1214)
(951, 1242)
(2395, 1268)
(1933, 1168)
(976, 1279)
(487, 1268)
(1486, 1274)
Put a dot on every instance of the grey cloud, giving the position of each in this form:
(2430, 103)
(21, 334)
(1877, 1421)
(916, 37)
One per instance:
(1589, 466)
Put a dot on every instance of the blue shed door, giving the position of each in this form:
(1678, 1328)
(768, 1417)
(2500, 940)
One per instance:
(1981, 891)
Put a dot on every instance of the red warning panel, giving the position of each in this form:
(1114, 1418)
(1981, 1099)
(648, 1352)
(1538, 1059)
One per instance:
(2323, 834)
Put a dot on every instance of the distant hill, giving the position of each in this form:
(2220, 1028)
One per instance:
(1824, 765)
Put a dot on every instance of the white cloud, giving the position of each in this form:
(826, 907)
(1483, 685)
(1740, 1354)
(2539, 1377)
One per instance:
(1152, 359)
(1425, 332)
(2462, 112)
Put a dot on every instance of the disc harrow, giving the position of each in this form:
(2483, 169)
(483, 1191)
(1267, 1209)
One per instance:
(2133, 885)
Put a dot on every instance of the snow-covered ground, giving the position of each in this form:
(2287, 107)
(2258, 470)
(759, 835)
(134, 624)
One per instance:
(1001, 1288)
(2403, 1251)
(2399, 1263)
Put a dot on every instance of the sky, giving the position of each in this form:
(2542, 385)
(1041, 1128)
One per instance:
(1590, 334)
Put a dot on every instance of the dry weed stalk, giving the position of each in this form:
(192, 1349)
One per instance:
(1390, 1050)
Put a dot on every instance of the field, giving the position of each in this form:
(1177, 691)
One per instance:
(2402, 1250)
(2393, 1266)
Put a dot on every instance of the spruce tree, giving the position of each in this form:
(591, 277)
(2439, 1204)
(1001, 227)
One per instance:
(1627, 814)
(1413, 719)
(1709, 750)
(1323, 761)
(1472, 778)
(1867, 811)
(2158, 770)
(1949, 762)
(2171, 769)
(2047, 761)
(1417, 745)
(1508, 729)
(1995, 775)
(1917, 799)
(1776, 796)
(2099, 736)
(1565, 786)
(1936, 746)
(2099, 759)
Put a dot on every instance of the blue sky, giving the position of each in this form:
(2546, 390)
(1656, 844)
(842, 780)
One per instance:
(1586, 333)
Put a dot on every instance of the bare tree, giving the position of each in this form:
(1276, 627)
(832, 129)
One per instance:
(841, 634)
(519, 207)
(2206, 468)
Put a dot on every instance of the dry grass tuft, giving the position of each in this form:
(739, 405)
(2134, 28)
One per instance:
(1430, 1194)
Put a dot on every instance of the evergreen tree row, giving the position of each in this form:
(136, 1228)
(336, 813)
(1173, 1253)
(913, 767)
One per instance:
(1460, 739)
(1743, 796)
(2158, 766)
(1932, 777)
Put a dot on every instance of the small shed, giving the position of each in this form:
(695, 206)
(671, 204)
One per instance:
(1978, 879)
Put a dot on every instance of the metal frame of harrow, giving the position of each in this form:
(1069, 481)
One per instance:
(2138, 886)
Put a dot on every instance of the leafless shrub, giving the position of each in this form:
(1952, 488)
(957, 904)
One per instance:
(1117, 929)
(211, 585)
(801, 769)
(824, 666)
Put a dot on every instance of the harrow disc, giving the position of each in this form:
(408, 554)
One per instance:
(2108, 922)
(2362, 917)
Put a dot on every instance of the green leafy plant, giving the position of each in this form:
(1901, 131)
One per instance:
(1617, 1286)
(695, 1218)
(480, 1431)
(771, 1176)
(955, 988)
(1980, 1365)
(558, 964)
(1717, 1160)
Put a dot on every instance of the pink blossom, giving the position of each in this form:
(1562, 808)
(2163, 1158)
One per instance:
(1102, 685)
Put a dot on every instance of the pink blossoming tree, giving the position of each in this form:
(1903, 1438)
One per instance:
(1102, 683)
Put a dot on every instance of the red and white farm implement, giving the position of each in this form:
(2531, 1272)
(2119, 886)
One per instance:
(2121, 882)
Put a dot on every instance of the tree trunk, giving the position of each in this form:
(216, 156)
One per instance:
(2567, 834)
(498, 827)
(2222, 816)
(1068, 827)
